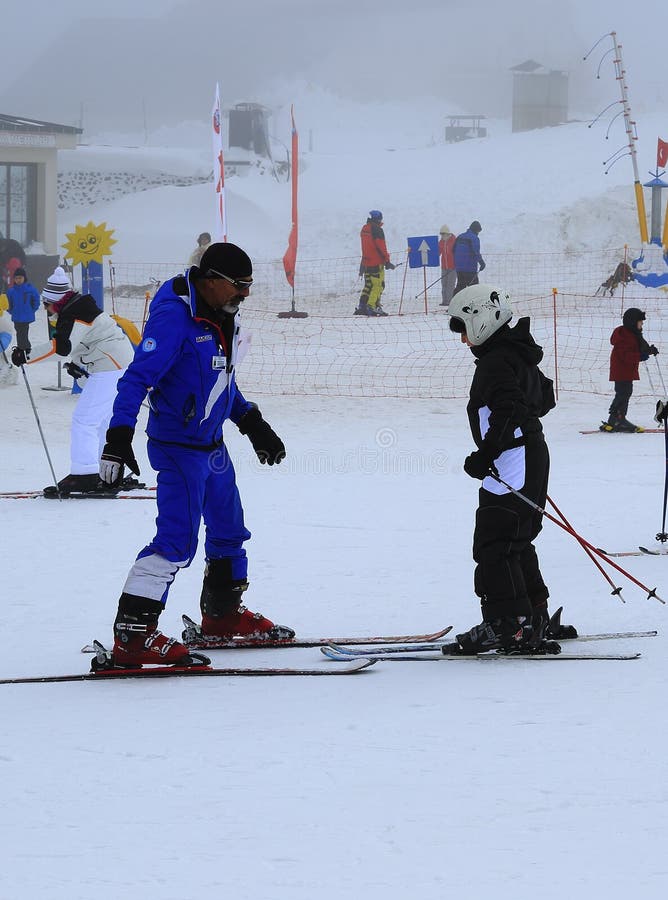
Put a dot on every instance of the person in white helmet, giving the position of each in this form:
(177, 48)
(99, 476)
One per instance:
(508, 396)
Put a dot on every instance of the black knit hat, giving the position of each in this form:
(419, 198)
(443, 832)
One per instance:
(631, 318)
(475, 226)
(21, 272)
(225, 259)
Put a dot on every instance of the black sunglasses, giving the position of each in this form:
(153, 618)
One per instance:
(240, 284)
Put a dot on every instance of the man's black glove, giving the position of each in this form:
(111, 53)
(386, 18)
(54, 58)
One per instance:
(19, 357)
(118, 453)
(661, 414)
(266, 443)
(389, 265)
(478, 464)
(482, 265)
(74, 370)
(652, 350)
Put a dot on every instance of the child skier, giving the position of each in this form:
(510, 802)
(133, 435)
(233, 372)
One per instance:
(629, 347)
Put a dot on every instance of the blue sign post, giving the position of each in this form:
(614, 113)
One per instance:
(423, 253)
(92, 281)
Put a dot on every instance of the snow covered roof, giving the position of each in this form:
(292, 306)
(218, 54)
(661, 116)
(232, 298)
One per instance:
(18, 123)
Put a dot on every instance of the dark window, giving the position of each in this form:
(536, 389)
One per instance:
(18, 202)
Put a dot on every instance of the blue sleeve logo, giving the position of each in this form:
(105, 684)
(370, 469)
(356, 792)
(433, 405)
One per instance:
(149, 344)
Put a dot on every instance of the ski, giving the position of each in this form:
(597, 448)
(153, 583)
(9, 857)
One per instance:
(602, 430)
(242, 643)
(135, 494)
(334, 653)
(191, 638)
(649, 552)
(620, 553)
(354, 666)
(391, 650)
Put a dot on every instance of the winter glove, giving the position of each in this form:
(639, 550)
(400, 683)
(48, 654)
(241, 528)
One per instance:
(268, 446)
(478, 464)
(482, 265)
(19, 357)
(75, 371)
(661, 414)
(117, 453)
(389, 265)
(652, 350)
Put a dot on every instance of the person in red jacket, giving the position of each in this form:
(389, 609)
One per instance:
(629, 347)
(375, 259)
(448, 271)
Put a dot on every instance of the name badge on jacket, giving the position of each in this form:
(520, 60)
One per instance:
(217, 362)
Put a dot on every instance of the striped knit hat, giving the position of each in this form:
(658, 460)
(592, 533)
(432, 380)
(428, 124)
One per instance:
(57, 286)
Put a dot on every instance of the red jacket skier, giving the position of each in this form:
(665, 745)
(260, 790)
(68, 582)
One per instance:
(629, 347)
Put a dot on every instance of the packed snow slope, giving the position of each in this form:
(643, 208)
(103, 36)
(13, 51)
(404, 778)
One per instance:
(443, 779)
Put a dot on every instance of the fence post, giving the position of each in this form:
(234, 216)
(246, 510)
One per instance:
(554, 338)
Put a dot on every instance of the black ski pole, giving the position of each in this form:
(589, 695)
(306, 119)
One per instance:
(651, 592)
(662, 416)
(41, 433)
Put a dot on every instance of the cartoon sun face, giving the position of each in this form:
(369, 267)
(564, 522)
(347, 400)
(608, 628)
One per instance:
(88, 243)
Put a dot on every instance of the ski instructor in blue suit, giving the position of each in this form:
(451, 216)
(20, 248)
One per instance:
(186, 364)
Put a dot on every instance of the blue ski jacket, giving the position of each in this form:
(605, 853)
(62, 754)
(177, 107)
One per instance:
(23, 302)
(467, 252)
(186, 365)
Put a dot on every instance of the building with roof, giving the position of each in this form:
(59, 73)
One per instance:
(28, 180)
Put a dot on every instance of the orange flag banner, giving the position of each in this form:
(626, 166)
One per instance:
(290, 256)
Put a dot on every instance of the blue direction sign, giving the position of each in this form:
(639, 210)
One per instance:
(423, 251)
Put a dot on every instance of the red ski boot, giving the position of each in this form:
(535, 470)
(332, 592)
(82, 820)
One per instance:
(243, 623)
(137, 641)
(223, 616)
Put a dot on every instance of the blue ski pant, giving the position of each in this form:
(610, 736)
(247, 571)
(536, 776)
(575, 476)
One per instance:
(192, 485)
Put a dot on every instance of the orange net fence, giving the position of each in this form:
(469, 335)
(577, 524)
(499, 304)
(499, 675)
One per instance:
(411, 352)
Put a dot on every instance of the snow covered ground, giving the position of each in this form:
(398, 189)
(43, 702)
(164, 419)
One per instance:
(443, 779)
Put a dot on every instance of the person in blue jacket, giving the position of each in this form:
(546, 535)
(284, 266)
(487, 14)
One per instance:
(468, 261)
(186, 364)
(24, 302)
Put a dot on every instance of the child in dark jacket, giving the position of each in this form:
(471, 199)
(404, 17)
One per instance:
(629, 348)
(23, 304)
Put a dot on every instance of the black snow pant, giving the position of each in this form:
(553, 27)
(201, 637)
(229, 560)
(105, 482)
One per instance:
(620, 404)
(507, 577)
(464, 279)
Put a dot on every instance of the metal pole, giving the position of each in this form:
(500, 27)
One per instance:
(620, 73)
(41, 433)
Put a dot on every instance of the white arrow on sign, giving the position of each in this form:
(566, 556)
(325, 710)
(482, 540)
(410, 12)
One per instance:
(424, 252)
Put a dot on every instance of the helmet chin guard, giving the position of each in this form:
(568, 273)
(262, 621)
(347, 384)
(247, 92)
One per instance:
(482, 309)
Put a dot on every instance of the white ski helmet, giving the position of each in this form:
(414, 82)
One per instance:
(480, 310)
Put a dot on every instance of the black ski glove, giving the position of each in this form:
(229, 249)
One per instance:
(268, 446)
(478, 464)
(75, 371)
(482, 265)
(652, 350)
(118, 453)
(19, 357)
(389, 265)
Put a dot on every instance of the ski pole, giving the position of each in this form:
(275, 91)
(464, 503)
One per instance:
(662, 417)
(427, 288)
(615, 590)
(585, 543)
(658, 368)
(41, 433)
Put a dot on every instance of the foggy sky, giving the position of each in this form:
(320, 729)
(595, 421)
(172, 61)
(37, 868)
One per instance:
(162, 64)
